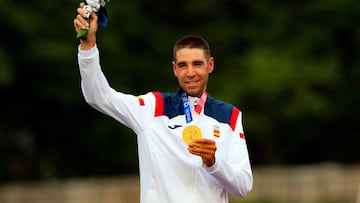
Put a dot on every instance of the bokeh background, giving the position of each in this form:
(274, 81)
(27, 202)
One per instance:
(292, 67)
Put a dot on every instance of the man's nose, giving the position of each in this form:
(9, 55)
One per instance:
(191, 71)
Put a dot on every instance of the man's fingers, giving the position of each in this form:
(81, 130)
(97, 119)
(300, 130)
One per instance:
(205, 148)
(83, 22)
(80, 23)
(203, 143)
(207, 156)
(199, 149)
(202, 147)
(81, 11)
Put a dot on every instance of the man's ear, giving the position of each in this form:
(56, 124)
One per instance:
(211, 64)
(174, 68)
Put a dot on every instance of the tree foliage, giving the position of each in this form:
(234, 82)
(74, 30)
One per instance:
(291, 67)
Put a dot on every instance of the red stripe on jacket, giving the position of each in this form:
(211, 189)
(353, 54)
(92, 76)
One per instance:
(234, 116)
(159, 107)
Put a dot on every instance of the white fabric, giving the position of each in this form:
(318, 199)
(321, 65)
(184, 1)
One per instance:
(168, 172)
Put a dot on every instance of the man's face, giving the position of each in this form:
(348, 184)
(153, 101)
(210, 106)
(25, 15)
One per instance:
(192, 70)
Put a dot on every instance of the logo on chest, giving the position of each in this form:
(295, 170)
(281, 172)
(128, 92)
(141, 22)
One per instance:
(216, 131)
(172, 127)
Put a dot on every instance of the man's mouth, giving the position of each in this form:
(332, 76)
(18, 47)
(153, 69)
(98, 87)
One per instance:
(191, 82)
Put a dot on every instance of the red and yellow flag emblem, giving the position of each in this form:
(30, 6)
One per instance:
(141, 101)
(216, 131)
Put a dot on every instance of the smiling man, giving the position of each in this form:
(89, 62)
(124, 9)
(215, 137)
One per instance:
(191, 146)
(192, 68)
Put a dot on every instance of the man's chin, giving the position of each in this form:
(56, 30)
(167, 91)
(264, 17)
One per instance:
(193, 92)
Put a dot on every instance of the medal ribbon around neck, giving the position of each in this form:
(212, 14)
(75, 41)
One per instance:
(201, 103)
(187, 110)
(192, 132)
(198, 108)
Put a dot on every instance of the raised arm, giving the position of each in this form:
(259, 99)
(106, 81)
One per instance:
(81, 23)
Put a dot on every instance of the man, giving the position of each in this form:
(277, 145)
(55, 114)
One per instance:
(191, 146)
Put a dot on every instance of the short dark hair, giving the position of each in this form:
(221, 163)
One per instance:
(192, 41)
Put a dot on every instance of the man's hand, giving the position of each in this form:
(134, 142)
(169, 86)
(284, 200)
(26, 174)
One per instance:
(205, 148)
(81, 23)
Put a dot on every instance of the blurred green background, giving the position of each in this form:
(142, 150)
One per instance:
(292, 67)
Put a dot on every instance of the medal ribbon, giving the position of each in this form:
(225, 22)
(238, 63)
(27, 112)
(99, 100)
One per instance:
(198, 108)
(187, 110)
(201, 103)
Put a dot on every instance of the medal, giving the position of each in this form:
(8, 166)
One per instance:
(190, 133)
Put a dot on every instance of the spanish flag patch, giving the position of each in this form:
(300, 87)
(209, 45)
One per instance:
(141, 101)
(216, 131)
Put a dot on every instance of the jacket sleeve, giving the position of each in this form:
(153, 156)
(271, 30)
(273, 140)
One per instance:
(233, 172)
(97, 92)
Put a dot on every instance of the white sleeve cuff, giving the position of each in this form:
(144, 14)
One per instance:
(87, 53)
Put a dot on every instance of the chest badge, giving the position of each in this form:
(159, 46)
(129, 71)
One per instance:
(216, 131)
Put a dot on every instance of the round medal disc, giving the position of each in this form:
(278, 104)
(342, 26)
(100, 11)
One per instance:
(190, 133)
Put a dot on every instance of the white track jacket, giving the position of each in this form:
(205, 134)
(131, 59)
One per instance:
(168, 172)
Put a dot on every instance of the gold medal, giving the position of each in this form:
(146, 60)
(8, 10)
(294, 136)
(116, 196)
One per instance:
(191, 133)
